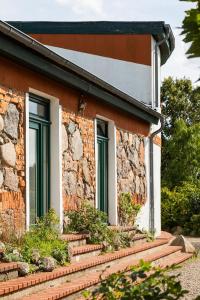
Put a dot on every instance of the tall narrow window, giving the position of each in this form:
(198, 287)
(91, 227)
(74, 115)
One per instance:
(39, 153)
(102, 165)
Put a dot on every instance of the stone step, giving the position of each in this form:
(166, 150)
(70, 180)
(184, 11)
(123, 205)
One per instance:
(17, 288)
(83, 252)
(75, 239)
(71, 290)
(8, 271)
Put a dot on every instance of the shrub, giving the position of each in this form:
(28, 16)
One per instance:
(143, 282)
(127, 209)
(179, 205)
(44, 237)
(41, 241)
(92, 221)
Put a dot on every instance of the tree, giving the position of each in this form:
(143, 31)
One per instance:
(181, 133)
(191, 29)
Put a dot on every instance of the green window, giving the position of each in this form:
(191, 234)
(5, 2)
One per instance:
(39, 153)
(102, 165)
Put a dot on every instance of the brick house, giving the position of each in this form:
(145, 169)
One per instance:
(80, 117)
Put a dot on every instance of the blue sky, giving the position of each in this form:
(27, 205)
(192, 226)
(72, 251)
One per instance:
(170, 11)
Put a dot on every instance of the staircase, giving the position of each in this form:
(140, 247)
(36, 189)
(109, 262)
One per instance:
(87, 264)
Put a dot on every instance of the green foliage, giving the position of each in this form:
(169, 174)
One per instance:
(44, 236)
(143, 282)
(180, 137)
(181, 207)
(127, 209)
(191, 29)
(91, 220)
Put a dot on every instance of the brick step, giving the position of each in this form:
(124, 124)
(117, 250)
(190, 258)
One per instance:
(83, 252)
(75, 239)
(71, 290)
(17, 288)
(8, 271)
(80, 253)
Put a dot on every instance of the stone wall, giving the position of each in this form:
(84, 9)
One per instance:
(78, 160)
(131, 175)
(12, 164)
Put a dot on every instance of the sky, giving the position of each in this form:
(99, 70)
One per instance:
(170, 11)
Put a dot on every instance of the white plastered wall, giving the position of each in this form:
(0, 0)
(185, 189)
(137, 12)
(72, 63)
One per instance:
(128, 77)
(55, 157)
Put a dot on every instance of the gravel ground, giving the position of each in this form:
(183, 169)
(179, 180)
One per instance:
(190, 273)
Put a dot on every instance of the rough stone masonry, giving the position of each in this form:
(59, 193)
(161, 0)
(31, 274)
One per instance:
(12, 163)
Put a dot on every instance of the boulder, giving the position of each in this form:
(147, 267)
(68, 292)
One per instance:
(11, 121)
(187, 247)
(71, 127)
(1, 181)
(8, 154)
(1, 123)
(23, 269)
(11, 180)
(64, 139)
(47, 264)
(77, 145)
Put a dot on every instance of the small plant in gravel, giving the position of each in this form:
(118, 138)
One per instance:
(142, 282)
(41, 246)
(127, 209)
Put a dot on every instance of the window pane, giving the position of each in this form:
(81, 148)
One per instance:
(38, 109)
(33, 174)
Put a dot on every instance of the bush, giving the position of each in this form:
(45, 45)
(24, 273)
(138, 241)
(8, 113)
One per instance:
(44, 237)
(92, 221)
(127, 209)
(180, 207)
(41, 241)
(143, 282)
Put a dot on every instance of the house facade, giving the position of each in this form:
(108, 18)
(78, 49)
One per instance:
(80, 118)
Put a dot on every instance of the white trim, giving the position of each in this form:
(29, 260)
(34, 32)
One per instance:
(56, 200)
(96, 162)
(27, 159)
(112, 170)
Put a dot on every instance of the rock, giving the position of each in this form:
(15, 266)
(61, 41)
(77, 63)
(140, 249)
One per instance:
(1, 181)
(64, 139)
(1, 123)
(125, 137)
(86, 171)
(1, 141)
(2, 246)
(8, 154)
(77, 145)
(11, 121)
(71, 127)
(11, 180)
(47, 264)
(187, 247)
(70, 183)
(23, 269)
(35, 257)
(178, 230)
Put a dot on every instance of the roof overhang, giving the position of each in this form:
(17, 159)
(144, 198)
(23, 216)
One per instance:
(158, 29)
(29, 52)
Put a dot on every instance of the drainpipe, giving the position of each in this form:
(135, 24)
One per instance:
(153, 134)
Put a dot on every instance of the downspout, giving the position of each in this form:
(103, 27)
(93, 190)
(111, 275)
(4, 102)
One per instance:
(153, 134)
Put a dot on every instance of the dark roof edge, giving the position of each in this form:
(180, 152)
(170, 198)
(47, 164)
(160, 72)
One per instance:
(84, 80)
(157, 29)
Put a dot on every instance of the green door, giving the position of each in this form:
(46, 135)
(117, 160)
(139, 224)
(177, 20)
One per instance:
(39, 151)
(102, 165)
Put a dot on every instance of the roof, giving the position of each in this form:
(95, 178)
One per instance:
(158, 29)
(28, 51)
